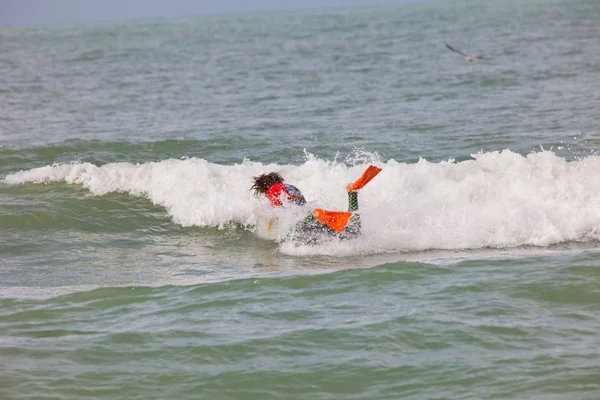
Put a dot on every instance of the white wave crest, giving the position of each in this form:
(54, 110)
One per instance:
(497, 199)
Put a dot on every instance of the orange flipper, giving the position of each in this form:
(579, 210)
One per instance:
(370, 173)
(334, 219)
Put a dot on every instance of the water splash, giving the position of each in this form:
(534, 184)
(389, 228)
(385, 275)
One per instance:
(496, 199)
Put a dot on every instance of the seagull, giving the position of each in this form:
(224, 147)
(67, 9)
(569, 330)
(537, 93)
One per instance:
(467, 57)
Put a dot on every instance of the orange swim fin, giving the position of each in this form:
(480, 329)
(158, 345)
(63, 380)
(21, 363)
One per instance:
(370, 173)
(334, 219)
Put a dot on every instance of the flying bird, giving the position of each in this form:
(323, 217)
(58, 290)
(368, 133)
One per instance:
(467, 57)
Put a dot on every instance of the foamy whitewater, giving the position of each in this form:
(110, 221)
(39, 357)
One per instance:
(498, 199)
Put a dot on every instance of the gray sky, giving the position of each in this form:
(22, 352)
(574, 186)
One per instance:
(39, 12)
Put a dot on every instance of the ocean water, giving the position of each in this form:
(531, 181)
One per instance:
(132, 264)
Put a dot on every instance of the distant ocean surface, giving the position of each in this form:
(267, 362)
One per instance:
(130, 261)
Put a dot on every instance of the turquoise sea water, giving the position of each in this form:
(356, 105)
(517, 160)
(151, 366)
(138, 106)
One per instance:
(132, 264)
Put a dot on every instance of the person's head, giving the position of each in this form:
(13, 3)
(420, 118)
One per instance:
(263, 182)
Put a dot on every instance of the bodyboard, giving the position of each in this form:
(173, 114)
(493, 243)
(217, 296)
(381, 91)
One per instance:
(267, 229)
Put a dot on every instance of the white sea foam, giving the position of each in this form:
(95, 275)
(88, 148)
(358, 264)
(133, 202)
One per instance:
(497, 199)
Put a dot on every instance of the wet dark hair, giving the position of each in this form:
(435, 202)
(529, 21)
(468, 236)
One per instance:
(263, 182)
